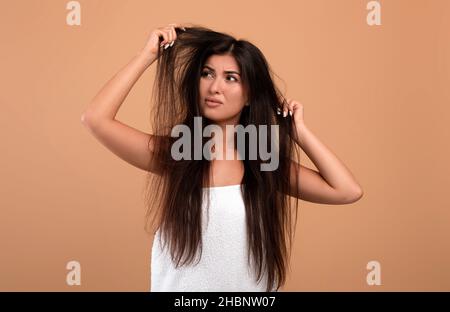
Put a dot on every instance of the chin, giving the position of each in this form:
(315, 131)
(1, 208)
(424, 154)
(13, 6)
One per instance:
(216, 116)
(210, 113)
(213, 117)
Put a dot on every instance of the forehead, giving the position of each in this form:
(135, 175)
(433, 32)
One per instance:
(222, 62)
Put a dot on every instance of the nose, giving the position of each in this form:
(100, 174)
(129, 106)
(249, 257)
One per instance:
(215, 85)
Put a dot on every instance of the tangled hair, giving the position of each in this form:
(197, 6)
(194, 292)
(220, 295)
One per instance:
(174, 195)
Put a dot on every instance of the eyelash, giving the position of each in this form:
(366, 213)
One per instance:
(208, 72)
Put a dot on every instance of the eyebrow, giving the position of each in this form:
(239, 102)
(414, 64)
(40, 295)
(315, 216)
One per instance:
(226, 71)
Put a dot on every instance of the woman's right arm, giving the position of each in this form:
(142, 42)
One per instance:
(128, 143)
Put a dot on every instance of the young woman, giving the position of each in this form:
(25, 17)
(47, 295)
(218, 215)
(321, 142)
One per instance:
(226, 213)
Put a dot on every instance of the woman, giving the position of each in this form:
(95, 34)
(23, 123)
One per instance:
(226, 213)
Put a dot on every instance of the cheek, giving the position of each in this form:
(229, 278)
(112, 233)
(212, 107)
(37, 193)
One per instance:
(236, 98)
(202, 88)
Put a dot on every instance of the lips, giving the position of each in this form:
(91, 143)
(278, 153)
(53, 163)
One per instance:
(213, 100)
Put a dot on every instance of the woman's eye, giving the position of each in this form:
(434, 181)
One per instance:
(205, 73)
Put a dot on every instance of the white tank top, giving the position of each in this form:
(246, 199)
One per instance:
(223, 265)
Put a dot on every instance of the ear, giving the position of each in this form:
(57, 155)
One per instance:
(246, 100)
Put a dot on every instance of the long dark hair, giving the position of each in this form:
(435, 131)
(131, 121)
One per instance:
(174, 195)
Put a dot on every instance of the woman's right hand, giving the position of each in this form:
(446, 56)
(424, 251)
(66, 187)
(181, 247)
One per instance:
(169, 36)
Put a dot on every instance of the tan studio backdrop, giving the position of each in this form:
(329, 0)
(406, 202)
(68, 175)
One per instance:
(377, 94)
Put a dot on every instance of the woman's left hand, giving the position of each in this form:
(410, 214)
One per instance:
(295, 110)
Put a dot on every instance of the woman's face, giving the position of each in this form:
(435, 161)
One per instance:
(221, 81)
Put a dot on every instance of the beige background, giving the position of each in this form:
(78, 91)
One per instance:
(378, 96)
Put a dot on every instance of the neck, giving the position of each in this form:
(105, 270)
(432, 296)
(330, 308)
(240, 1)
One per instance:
(227, 143)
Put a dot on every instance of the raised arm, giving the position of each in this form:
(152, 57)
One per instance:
(333, 183)
(128, 143)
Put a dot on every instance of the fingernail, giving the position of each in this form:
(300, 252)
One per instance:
(172, 43)
(290, 113)
(278, 112)
(285, 113)
(166, 46)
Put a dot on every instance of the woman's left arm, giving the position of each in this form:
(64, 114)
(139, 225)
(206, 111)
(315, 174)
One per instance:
(334, 183)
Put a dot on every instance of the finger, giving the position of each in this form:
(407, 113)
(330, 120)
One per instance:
(169, 32)
(165, 37)
(176, 25)
(286, 108)
(174, 35)
(283, 109)
(181, 27)
(282, 106)
(166, 42)
(291, 107)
